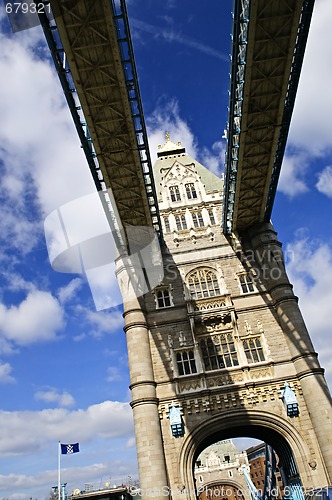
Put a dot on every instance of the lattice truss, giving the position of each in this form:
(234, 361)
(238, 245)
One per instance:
(103, 75)
(266, 39)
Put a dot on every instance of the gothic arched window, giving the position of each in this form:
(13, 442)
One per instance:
(203, 283)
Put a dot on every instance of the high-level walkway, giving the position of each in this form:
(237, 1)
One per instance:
(92, 50)
(269, 40)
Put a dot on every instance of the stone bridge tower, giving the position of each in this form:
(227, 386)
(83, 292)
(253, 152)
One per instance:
(220, 349)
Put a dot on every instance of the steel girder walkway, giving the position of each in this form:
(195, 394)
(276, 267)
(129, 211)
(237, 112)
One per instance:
(92, 52)
(269, 39)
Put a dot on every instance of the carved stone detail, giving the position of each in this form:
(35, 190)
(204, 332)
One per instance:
(205, 305)
(249, 397)
(260, 373)
(189, 386)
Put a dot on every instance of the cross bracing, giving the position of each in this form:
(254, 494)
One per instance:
(269, 39)
(93, 54)
(91, 46)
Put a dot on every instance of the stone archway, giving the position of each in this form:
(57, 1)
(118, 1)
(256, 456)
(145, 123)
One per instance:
(294, 454)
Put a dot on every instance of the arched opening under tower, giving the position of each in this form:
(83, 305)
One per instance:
(288, 447)
(238, 469)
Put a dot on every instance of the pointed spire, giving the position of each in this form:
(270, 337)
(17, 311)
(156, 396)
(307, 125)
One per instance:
(170, 147)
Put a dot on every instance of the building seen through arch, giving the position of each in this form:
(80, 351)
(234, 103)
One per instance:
(218, 472)
(257, 462)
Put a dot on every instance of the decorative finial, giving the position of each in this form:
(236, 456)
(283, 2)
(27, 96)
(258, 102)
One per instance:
(170, 147)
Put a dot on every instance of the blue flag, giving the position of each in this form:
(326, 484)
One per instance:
(68, 449)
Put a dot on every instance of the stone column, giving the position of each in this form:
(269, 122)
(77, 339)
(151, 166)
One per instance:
(270, 267)
(149, 444)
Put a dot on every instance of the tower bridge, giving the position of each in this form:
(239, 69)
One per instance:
(219, 348)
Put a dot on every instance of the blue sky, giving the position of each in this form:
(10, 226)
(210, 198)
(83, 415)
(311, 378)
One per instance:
(63, 365)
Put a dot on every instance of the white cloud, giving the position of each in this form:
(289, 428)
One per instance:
(68, 292)
(171, 35)
(18, 436)
(37, 318)
(113, 374)
(39, 144)
(51, 395)
(131, 442)
(292, 175)
(310, 271)
(324, 184)
(309, 129)
(166, 118)
(16, 282)
(5, 373)
(309, 136)
(7, 348)
(17, 231)
(94, 474)
(101, 322)
(214, 159)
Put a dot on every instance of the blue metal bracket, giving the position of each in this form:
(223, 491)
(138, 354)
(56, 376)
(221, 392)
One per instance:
(237, 74)
(176, 422)
(129, 68)
(290, 401)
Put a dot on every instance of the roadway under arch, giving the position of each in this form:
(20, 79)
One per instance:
(221, 489)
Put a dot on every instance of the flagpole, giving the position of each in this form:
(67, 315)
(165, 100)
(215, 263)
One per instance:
(59, 480)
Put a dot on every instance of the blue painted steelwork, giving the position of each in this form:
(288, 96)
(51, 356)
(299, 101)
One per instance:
(255, 495)
(294, 490)
(130, 74)
(238, 66)
(269, 492)
(301, 41)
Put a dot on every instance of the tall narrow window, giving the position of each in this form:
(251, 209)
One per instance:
(186, 363)
(167, 226)
(181, 222)
(198, 219)
(163, 298)
(212, 219)
(175, 193)
(253, 350)
(203, 283)
(191, 191)
(219, 352)
(246, 283)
